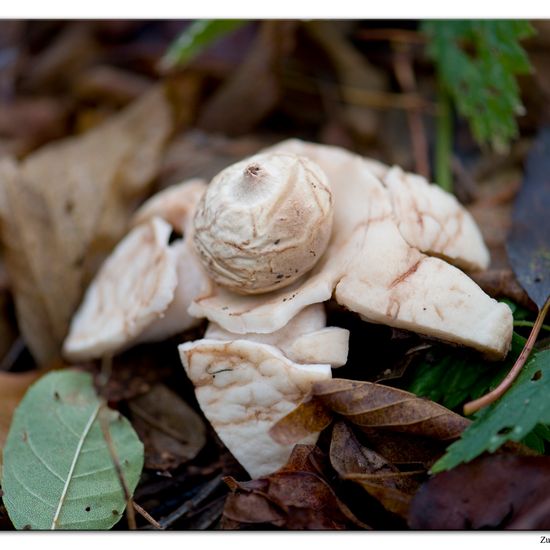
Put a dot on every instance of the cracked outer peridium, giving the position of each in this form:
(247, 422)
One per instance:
(375, 262)
(244, 388)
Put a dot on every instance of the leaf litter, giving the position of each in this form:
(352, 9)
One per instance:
(364, 456)
(66, 205)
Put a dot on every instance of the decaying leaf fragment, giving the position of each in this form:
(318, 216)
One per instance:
(295, 497)
(492, 492)
(68, 202)
(379, 477)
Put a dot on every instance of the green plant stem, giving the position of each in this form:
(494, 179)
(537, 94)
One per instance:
(530, 324)
(492, 396)
(443, 144)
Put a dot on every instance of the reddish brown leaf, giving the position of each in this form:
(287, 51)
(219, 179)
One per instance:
(371, 405)
(492, 492)
(404, 449)
(381, 479)
(289, 499)
(310, 416)
(305, 458)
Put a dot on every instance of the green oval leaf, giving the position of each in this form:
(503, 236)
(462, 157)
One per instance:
(58, 472)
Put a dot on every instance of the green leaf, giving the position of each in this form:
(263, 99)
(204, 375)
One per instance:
(58, 472)
(477, 62)
(522, 408)
(195, 38)
(453, 377)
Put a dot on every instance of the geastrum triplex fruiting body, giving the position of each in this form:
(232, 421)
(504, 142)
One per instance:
(264, 245)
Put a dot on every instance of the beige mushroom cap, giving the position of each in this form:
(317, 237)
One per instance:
(133, 288)
(245, 387)
(304, 339)
(375, 271)
(143, 290)
(433, 221)
(264, 222)
(176, 205)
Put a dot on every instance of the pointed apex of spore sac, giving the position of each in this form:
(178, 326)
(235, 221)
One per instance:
(253, 172)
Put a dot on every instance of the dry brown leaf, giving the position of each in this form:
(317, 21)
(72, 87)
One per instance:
(12, 389)
(170, 429)
(405, 450)
(381, 479)
(254, 89)
(287, 499)
(369, 406)
(69, 200)
(310, 416)
(355, 74)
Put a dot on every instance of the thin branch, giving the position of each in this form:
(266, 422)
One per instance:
(206, 490)
(114, 457)
(143, 513)
(361, 97)
(492, 396)
(392, 35)
(12, 354)
(443, 146)
(404, 72)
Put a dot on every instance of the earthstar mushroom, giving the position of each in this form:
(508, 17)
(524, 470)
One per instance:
(380, 261)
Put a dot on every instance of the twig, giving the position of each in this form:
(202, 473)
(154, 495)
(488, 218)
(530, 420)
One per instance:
(443, 148)
(491, 397)
(207, 489)
(405, 76)
(392, 35)
(127, 495)
(142, 512)
(214, 511)
(362, 97)
(12, 354)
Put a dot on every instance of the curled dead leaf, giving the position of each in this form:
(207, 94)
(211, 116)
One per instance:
(372, 407)
(287, 499)
(310, 416)
(379, 477)
(66, 205)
